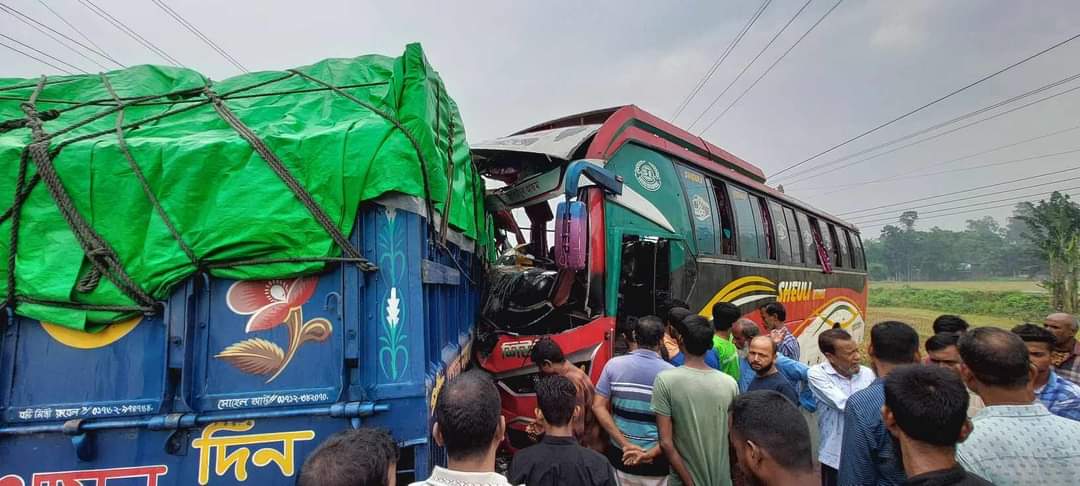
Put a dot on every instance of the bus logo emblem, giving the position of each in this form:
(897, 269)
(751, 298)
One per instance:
(701, 208)
(647, 175)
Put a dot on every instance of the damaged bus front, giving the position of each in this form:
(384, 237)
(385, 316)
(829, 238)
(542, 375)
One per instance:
(611, 215)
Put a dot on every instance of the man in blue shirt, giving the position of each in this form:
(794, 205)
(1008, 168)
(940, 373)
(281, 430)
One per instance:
(795, 371)
(867, 452)
(622, 406)
(762, 357)
(1061, 397)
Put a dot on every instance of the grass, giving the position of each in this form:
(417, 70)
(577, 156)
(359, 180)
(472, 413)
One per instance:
(922, 319)
(978, 285)
(1015, 305)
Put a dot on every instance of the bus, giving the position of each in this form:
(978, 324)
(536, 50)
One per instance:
(648, 214)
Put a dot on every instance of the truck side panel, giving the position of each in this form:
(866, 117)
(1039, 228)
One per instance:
(237, 382)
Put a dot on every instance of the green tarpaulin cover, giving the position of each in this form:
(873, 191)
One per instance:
(222, 197)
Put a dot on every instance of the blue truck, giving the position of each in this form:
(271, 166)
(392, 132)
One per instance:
(238, 367)
(152, 401)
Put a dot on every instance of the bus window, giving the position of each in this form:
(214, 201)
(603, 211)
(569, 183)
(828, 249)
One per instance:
(727, 225)
(793, 232)
(701, 209)
(821, 231)
(746, 224)
(839, 246)
(765, 228)
(856, 251)
(806, 231)
(780, 231)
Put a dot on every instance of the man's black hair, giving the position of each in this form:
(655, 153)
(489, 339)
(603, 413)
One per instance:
(675, 316)
(1030, 333)
(724, 315)
(894, 342)
(929, 403)
(352, 457)
(468, 411)
(942, 340)
(827, 340)
(546, 349)
(698, 337)
(776, 309)
(556, 396)
(950, 323)
(774, 424)
(671, 304)
(995, 356)
(649, 332)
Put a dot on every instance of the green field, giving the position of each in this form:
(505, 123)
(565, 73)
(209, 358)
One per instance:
(981, 303)
(981, 285)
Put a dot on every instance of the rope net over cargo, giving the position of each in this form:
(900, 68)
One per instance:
(123, 184)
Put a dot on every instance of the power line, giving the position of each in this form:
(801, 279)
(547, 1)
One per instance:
(773, 65)
(917, 170)
(198, 33)
(43, 53)
(931, 103)
(880, 225)
(45, 29)
(983, 166)
(932, 137)
(959, 192)
(720, 60)
(31, 56)
(877, 219)
(100, 12)
(751, 63)
(817, 172)
(967, 198)
(81, 33)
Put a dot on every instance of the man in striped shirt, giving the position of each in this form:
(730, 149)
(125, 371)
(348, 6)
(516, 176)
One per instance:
(622, 406)
(774, 315)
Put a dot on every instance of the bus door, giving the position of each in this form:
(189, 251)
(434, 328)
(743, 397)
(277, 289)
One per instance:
(653, 272)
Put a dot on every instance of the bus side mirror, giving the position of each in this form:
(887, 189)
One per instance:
(570, 235)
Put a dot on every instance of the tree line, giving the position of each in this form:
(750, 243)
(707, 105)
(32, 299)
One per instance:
(1039, 240)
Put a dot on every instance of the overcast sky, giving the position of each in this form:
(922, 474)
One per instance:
(512, 64)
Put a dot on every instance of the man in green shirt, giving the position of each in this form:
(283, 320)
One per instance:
(691, 405)
(727, 354)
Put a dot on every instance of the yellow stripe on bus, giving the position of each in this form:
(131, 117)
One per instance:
(722, 295)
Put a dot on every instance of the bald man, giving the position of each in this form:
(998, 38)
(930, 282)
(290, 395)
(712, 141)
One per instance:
(761, 353)
(1066, 348)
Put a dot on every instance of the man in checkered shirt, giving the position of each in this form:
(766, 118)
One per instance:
(1064, 357)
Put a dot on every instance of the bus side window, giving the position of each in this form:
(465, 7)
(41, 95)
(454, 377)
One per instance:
(810, 253)
(727, 225)
(701, 209)
(822, 233)
(839, 247)
(793, 233)
(746, 224)
(780, 231)
(765, 228)
(857, 260)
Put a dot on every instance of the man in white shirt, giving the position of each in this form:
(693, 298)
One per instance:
(833, 382)
(470, 425)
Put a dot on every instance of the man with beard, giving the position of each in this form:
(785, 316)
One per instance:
(1066, 354)
(771, 440)
(795, 371)
(762, 358)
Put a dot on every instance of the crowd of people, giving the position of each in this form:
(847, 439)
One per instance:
(722, 401)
